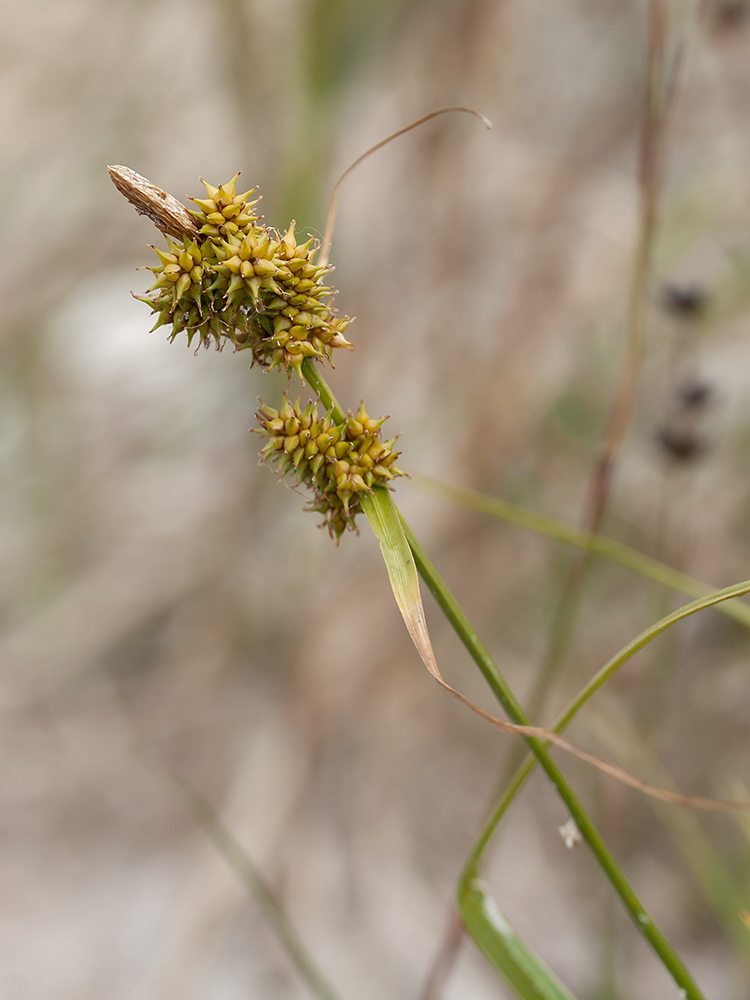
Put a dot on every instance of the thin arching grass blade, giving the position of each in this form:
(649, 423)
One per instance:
(238, 860)
(600, 545)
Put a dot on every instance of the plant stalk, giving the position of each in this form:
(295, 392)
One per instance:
(479, 653)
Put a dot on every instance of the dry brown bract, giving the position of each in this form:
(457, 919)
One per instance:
(165, 211)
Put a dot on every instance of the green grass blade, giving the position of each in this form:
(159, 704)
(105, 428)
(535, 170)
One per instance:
(607, 548)
(473, 863)
(385, 522)
(237, 859)
(502, 946)
(504, 949)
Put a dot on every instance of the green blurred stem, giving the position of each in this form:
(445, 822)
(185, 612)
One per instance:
(599, 545)
(479, 653)
(236, 858)
(639, 915)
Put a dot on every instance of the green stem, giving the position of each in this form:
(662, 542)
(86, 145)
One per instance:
(236, 858)
(479, 653)
(617, 661)
(318, 383)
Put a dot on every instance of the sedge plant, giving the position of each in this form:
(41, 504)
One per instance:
(225, 277)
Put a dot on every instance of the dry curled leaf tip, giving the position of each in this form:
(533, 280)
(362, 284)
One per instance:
(162, 208)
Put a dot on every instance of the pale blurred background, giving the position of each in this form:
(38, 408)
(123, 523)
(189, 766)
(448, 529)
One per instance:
(166, 604)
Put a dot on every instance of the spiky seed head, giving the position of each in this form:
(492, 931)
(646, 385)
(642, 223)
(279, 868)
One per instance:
(227, 277)
(337, 462)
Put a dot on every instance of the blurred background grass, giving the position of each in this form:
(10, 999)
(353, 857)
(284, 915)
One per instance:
(165, 601)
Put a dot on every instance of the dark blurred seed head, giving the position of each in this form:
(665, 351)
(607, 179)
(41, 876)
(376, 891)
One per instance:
(687, 301)
(731, 14)
(681, 445)
(694, 395)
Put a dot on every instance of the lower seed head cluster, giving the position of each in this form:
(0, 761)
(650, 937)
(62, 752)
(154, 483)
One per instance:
(338, 462)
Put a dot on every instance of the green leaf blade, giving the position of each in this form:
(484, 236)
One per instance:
(505, 949)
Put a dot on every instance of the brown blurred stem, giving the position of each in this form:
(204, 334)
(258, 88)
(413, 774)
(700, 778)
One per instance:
(658, 101)
(443, 963)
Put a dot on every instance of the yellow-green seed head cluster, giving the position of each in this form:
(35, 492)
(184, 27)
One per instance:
(338, 462)
(240, 281)
(231, 278)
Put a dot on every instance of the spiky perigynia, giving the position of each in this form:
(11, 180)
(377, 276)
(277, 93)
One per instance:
(222, 212)
(337, 462)
(228, 277)
(237, 280)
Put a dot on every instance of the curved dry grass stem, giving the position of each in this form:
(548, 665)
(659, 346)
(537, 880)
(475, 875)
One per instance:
(410, 605)
(395, 538)
(373, 149)
(618, 773)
